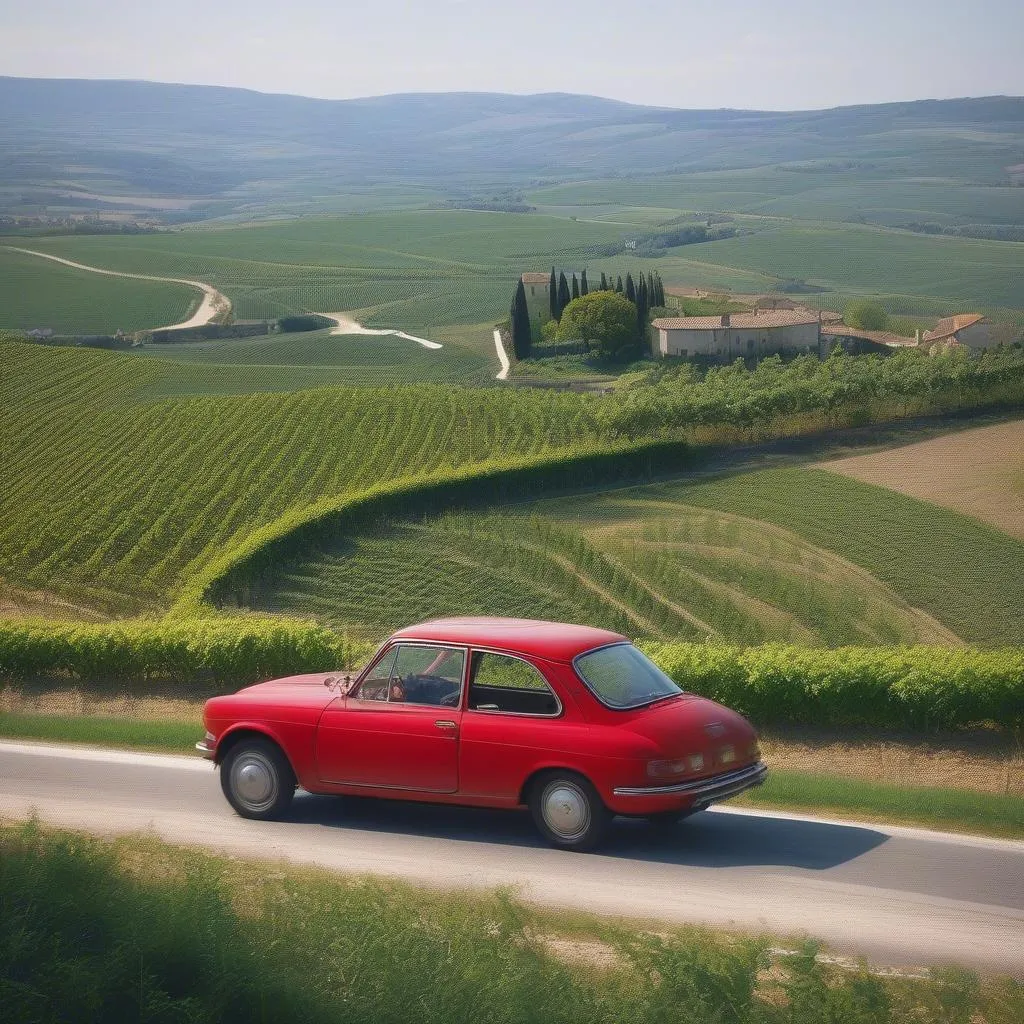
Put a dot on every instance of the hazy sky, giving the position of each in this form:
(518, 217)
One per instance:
(782, 54)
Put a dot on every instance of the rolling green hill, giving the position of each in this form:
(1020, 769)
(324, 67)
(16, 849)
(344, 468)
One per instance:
(794, 555)
(40, 293)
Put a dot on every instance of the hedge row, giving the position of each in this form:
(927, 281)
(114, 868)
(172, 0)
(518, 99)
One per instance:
(918, 688)
(225, 653)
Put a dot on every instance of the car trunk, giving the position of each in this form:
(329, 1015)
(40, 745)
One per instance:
(685, 725)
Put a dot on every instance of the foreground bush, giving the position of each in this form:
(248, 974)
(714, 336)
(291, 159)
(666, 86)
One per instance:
(135, 930)
(918, 687)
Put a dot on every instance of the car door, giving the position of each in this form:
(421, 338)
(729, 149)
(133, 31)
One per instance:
(400, 727)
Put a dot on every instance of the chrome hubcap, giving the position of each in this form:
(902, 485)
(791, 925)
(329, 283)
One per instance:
(254, 780)
(566, 810)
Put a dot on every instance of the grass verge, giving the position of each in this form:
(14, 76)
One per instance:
(135, 929)
(952, 810)
(949, 810)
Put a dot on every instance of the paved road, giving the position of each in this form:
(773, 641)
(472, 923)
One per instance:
(897, 896)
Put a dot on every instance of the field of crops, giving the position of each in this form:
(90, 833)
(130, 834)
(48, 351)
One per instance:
(825, 195)
(111, 497)
(36, 292)
(317, 358)
(964, 272)
(666, 561)
(119, 499)
(413, 270)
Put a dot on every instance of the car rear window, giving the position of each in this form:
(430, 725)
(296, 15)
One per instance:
(622, 677)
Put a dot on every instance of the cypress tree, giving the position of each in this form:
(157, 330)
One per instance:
(641, 309)
(630, 288)
(553, 296)
(563, 294)
(584, 290)
(575, 287)
(618, 284)
(604, 282)
(650, 288)
(520, 320)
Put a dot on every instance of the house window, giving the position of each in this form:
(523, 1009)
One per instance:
(532, 290)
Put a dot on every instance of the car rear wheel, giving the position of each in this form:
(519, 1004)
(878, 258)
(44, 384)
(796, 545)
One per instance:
(257, 779)
(569, 812)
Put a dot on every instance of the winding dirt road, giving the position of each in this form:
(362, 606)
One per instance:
(213, 304)
(346, 325)
(897, 896)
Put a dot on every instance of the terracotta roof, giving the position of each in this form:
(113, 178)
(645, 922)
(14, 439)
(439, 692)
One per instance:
(767, 318)
(951, 324)
(532, 278)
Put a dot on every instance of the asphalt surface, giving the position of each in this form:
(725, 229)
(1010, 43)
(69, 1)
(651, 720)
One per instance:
(896, 896)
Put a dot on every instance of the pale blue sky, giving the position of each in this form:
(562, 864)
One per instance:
(783, 54)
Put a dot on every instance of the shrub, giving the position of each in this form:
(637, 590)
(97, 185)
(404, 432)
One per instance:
(919, 687)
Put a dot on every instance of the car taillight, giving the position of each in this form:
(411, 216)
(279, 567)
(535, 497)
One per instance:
(666, 769)
(672, 769)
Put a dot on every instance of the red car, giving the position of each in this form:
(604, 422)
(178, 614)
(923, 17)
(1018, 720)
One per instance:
(573, 722)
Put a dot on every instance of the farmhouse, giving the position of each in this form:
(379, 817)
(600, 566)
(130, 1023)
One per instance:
(739, 334)
(971, 329)
(536, 286)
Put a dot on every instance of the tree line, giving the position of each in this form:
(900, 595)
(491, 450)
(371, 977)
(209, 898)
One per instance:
(599, 307)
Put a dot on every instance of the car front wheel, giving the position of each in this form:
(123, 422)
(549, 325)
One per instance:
(569, 812)
(257, 779)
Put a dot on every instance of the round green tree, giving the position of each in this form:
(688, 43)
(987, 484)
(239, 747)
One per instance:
(868, 316)
(605, 320)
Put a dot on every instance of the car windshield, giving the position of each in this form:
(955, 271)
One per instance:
(623, 677)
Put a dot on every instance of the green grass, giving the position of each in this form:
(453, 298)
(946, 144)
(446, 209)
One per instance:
(156, 932)
(158, 734)
(954, 810)
(36, 292)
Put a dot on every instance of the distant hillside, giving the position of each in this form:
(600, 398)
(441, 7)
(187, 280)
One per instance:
(106, 145)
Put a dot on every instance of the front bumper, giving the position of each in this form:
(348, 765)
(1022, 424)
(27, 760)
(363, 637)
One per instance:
(700, 793)
(204, 748)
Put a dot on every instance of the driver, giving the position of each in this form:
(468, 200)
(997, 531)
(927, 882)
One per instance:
(399, 692)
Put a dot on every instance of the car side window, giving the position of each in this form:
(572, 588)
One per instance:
(427, 675)
(375, 685)
(510, 685)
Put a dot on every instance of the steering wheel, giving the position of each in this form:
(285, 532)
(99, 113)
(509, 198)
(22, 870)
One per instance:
(450, 700)
(396, 688)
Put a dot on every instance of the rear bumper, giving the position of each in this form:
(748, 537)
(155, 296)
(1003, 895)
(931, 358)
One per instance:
(206, 750)
(697, 794)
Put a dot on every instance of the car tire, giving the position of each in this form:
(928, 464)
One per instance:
(568, 811)
(257, 779)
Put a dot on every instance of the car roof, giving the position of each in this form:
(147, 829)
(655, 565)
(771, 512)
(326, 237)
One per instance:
(554, 641)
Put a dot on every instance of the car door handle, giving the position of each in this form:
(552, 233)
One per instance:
(445, 723)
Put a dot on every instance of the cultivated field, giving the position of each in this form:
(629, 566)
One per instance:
(794, 555)
(37, 292)
(977, 472)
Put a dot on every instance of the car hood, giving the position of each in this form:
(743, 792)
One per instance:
(691, 724)
(295, 691)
